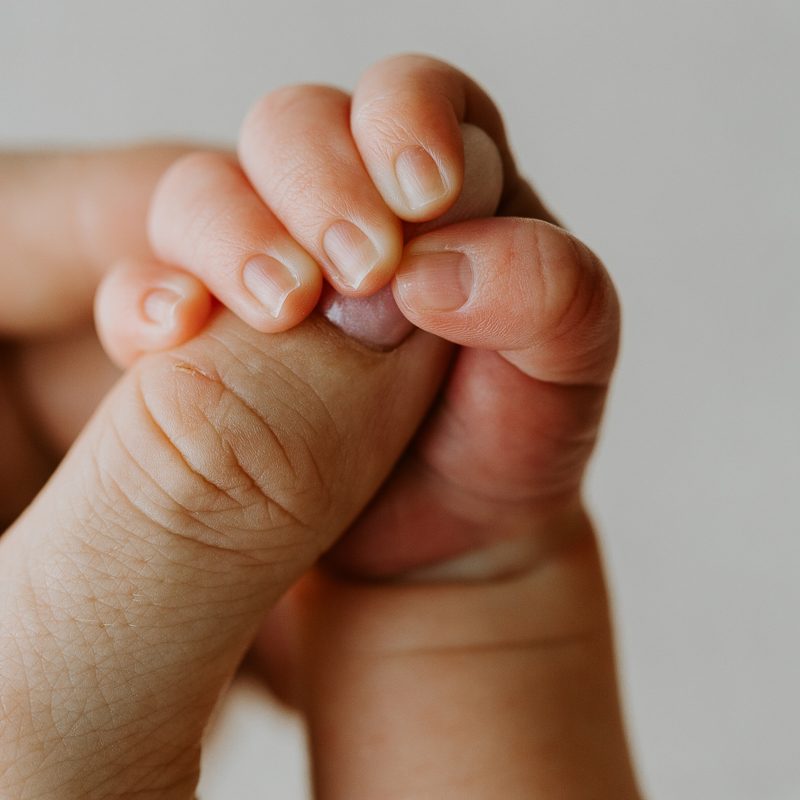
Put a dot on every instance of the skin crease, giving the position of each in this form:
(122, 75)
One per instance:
(207, 503)
(497, 688)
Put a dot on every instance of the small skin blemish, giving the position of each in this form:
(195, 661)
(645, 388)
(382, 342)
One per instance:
(182, 366)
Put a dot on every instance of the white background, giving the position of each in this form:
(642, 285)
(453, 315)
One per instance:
(666, 134)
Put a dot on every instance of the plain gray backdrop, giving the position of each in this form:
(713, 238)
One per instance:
(666, 135)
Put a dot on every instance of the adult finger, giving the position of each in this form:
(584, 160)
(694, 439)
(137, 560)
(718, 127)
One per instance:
(209, 480)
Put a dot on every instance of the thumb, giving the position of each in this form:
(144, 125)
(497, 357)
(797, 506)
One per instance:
(211, 478)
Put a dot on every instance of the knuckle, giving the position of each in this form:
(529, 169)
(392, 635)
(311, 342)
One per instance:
(226, 468)
(386, 115)
(404, 86)
(264, 116)
(291, 147)
(191, 170)
(297, 185)
(184, 187)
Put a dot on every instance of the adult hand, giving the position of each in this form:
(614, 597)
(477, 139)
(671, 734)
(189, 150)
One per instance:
(209, 480)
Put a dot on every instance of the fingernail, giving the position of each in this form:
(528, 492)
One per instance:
(269, 281)
(375, 321)
(159, 306)
(419, 177)
(435, 281)
(351, 253)
(483, 182)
